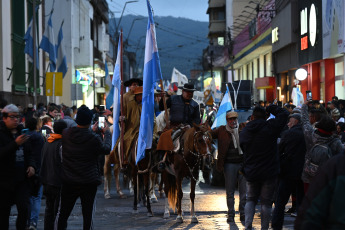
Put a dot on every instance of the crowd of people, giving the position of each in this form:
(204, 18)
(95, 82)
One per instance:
(281, 152)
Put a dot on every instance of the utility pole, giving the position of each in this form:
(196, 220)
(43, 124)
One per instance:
(34, 47)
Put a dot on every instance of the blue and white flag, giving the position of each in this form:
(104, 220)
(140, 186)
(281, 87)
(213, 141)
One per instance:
(152, 74)
(224, 107)
(48, 44)
(29, 44)
(109, 101)
(108, 83)
(115, 93)
(61, 62)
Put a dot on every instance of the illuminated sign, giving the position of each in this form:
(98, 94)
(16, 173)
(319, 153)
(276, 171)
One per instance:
(304, 21)
(304, 43)
(275, 35)
(312, 25)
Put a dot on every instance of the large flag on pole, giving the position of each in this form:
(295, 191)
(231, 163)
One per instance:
(29, 44)
(115, 95)
(224, 107)
(152, 74)
(61, 62)
(48, 44)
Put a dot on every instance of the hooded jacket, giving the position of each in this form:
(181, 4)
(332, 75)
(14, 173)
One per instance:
(80, 150)
(258, 142)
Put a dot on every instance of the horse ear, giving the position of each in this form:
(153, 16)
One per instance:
(197, 127)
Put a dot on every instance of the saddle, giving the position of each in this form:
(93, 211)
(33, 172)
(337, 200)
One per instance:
(176, 137)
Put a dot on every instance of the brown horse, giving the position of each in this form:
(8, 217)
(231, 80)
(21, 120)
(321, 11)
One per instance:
(195, 148)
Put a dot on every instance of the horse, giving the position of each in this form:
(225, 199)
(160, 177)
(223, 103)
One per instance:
(195, 145)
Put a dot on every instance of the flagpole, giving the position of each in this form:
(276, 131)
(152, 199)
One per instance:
(34, 47)
(166, 115)
(121, 101)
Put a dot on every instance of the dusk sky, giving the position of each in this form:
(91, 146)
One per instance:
(192, 9)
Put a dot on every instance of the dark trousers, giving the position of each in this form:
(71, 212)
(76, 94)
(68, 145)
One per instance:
(21, 198)
(285, 188)
(52, 194)
(69, 195)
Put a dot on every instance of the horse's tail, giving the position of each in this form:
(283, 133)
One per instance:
(172, 194)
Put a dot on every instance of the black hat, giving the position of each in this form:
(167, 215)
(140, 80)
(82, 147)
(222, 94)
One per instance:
(59, 126)
(132, 80)
(187, 87)
(84, 116)
(297, 116)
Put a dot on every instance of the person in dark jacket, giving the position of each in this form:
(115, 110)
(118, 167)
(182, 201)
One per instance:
(34, 147)
(51, 171)
(292, 151)
(68, 119)
(81, 172)
(230, 159)
(259, 144)
(323, 205)
(15, 169)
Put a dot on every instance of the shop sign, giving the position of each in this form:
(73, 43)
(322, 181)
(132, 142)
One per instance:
(304, 26)
(275, 35)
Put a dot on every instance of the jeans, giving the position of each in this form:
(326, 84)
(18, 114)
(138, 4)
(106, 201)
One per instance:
(285, 188)
(21, 198)
(52, 195)
(35, 202)
(69, 195)
(264, 190)
(232, 178)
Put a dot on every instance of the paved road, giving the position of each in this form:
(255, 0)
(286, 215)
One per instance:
(116, 213)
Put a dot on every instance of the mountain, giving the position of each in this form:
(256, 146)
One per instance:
(180, 41)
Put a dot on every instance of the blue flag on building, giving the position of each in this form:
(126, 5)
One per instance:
(61, 62)
(115, 93)
(29, 44)
(152, 74)
(224, 107)
(48, 44)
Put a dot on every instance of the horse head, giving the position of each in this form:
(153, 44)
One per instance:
(203, 142)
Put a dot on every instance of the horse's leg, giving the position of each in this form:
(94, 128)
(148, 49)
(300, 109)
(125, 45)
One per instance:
(152, 192)
(192, 197)
(146, 188)
(166, 190)
(179, 218)
(135, 204)
(107, 177)
(160, 189)
(117, 181)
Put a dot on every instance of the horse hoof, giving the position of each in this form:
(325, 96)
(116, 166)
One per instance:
(166, 215)
(195, 219)
(149, 214)
(135, 212)
(107, 196)
(179, 219)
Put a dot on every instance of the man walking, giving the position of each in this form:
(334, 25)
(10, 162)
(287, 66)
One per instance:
(259, 144)
(81, 172)
(230, 159)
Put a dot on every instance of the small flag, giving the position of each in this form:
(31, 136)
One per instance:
(224, 107)
(152, 74)
(29, 44)
(115, 93)
(48, 44)
(61, 62)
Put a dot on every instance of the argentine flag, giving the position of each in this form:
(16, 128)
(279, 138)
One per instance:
(152, 74)
(48, 44)
(224, 107)
(29, 44)
(61, 62)
(114, 95)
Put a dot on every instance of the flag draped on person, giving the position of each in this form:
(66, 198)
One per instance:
(152, 74)
(61, 62)
(115, 95)
(48, 44)
(224, 107)
(29, 44)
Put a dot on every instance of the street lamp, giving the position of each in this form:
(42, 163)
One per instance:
(118, 25)
(301, 74)
(130, 30)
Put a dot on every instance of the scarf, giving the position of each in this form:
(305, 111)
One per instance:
(235, 138)
(53, 137)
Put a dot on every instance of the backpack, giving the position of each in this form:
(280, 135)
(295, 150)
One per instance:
(318, 155)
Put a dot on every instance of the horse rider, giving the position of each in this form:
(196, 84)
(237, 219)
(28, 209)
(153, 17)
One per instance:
(132, 124)
(129, 96)
(184, 110)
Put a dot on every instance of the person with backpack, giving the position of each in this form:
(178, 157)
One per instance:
(321, 144)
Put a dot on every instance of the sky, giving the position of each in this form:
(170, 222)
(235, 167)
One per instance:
(192, 9)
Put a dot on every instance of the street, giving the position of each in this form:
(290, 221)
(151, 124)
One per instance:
(116, 213)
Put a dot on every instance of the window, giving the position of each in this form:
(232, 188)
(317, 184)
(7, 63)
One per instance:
(91, 30)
